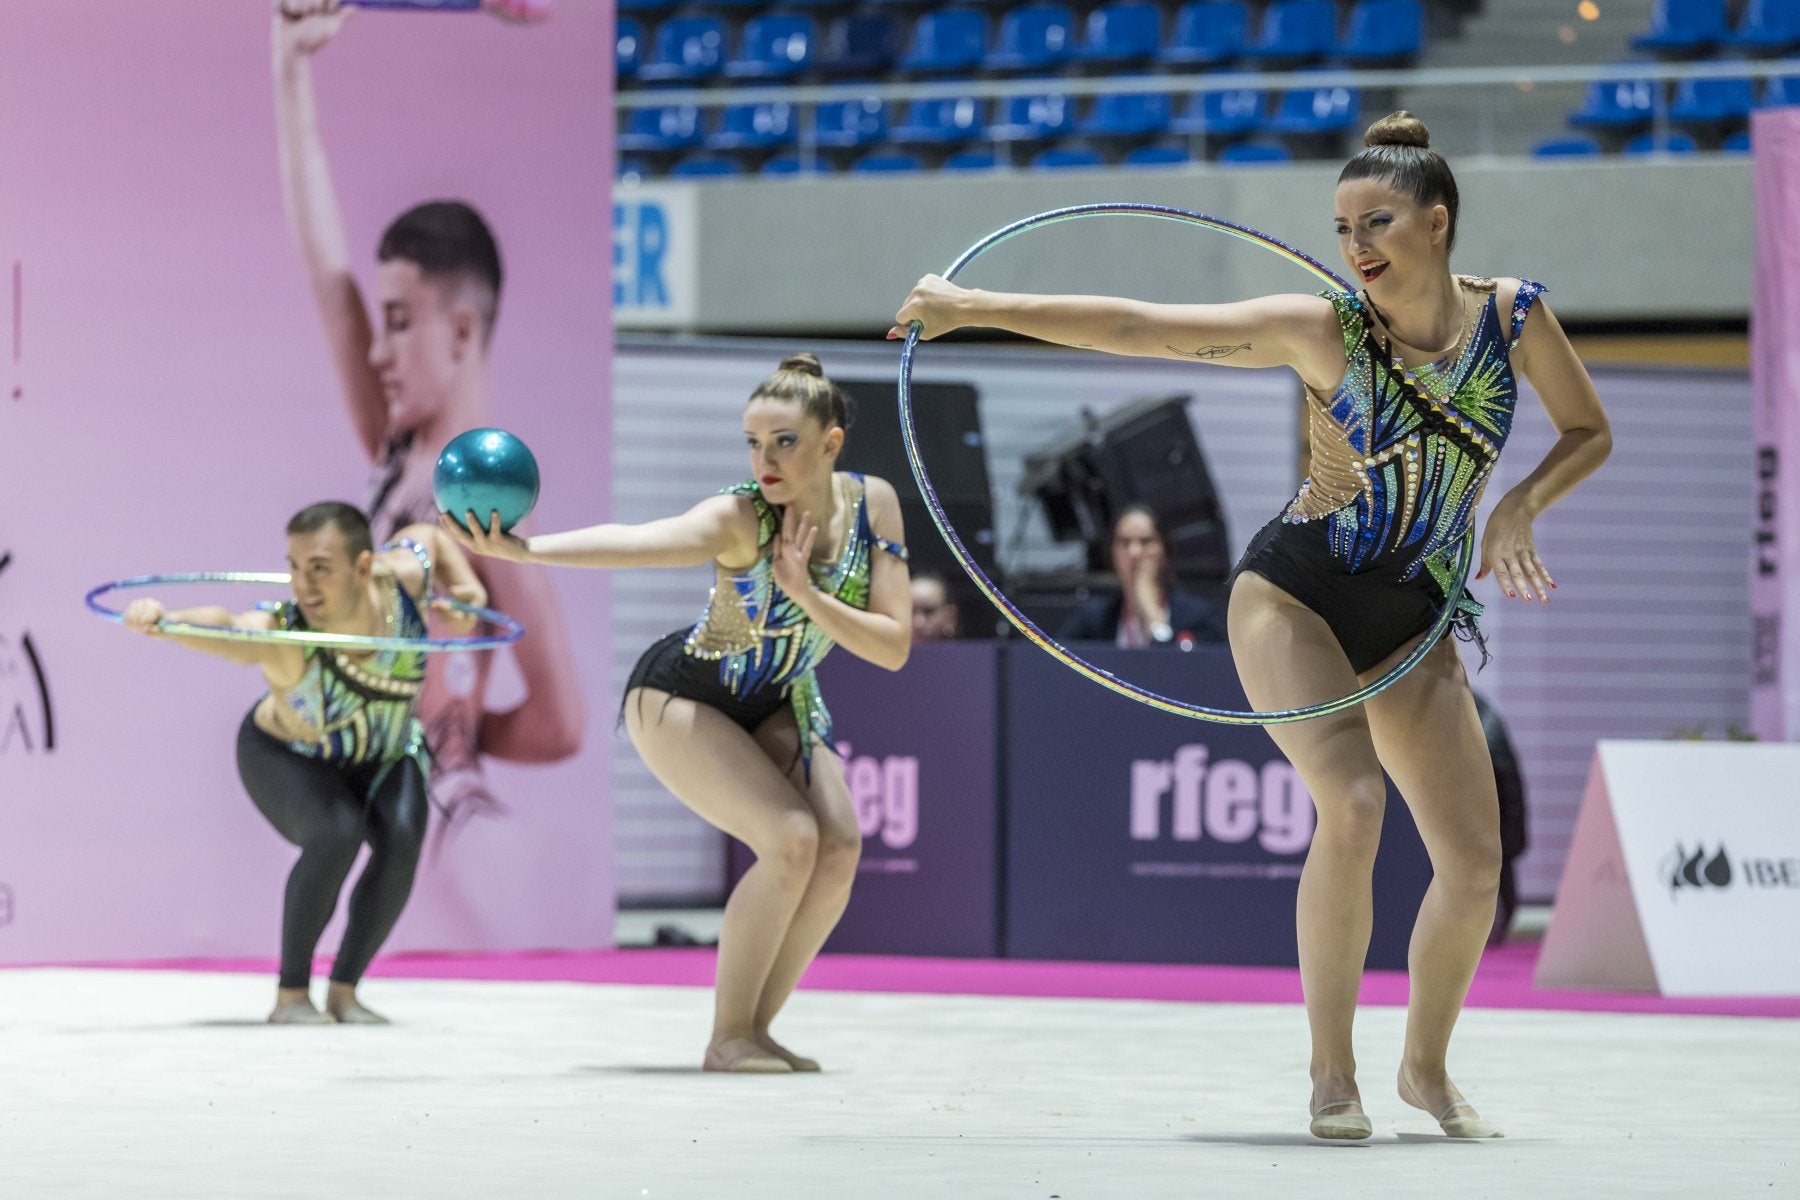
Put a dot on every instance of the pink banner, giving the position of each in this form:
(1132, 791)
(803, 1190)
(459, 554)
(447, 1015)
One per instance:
(1775, 390)
(170, 399)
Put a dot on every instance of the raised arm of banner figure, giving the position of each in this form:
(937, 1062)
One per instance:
(334, 754)
(1412, 383)
(411, 380)
(727, 711)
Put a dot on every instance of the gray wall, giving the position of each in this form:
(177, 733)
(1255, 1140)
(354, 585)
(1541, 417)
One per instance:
(1614, 239)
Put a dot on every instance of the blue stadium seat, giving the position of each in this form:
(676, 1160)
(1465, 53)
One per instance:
(859, 44)
(1254, 154)
(940, 122)
(1132, 114)
(1208, 33)
(1566, 147)
(1710, 104)
(1737, 143)
(1158, 156)
(628, 47)
(884, 164)
(851, 124)
(791, 164)
(1309, 111)
(1295, 31)
(949, 40)
(1768, 27)
(702, 167)
(1121, 34)
(1783, 91)
(1383, 33)
(972, 160)
(1648, 143)
(1620, 104)
(660, 130)
(753, 127)
(1684, 27)
(1058, 159)
(1033, 38)
(687, 48)
(1220, 114)
(773, 47)
(1033, 119)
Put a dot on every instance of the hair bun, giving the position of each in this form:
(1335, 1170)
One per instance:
(1398, 129)
(805, 364)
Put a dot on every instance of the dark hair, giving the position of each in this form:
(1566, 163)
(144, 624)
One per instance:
(1397, 148)
(347, 517)
(449, 241)
(801, 380)
(1146, 510)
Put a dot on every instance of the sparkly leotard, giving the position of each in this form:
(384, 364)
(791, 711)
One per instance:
(1400, 459)
(360, 712)
(753, 649)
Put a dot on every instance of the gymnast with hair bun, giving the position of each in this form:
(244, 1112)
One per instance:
(727, 712)
(1411, 383)
(334, 754)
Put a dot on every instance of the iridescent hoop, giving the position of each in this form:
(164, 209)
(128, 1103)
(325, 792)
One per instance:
(1024, 624)
(510, 630)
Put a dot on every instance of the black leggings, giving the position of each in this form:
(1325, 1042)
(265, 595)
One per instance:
(329, 812)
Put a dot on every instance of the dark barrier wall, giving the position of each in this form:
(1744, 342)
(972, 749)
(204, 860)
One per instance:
(1137, 836)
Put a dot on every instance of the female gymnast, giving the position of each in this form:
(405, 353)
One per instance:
(334, 755)
(1412, 385)
(727, 713)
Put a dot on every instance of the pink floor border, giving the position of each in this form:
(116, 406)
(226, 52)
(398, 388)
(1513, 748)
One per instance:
(1503, 980)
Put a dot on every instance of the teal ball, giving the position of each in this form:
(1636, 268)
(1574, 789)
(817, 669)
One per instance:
(484, 471)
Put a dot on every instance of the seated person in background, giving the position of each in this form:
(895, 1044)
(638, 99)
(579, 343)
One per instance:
(933, 611)
(1148, 611)
(1509, 781)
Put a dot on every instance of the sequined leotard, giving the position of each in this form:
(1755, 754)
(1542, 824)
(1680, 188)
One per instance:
(753, 649)
(360, 712)
(1399, 462)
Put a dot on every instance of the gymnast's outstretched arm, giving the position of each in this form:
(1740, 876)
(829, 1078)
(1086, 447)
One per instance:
(301, 29)
(1298, 331)
(146, 616)
(720, 529)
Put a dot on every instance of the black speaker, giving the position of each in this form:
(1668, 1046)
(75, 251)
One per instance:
(947, 417)
(1143, 453)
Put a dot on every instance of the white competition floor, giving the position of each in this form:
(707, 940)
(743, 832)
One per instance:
(165, 1084)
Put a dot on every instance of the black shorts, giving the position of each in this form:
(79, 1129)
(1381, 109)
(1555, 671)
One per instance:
(1372, 612)
(667, 667)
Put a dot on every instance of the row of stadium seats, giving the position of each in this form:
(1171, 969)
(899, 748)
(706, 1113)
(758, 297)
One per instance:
(1032, 37)
(1056, 158)
(858, 125)
(1642, 144)
(1700, 108)
(1699, 28)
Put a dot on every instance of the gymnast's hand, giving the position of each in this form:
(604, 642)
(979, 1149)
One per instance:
(144, 616)
(303, 27)
(935, 302)
(491, 542)
(793, 553)
(461, 620)
(1508, 551)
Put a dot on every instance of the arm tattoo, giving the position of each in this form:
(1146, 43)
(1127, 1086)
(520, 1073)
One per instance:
(1210, 352)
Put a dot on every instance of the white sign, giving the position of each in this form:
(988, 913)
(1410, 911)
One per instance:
(1684, 873)
(655, 256)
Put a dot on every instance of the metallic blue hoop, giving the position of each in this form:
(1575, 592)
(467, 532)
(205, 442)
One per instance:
(510, 630)
(1024, 624)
